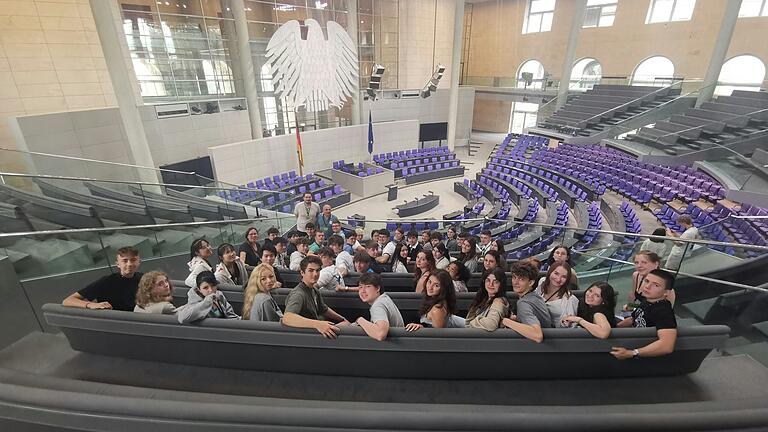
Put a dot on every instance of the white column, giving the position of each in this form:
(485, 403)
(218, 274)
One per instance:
(453, 104)
(246, 68)
(106, 15)
(723, 41)
(352, 29)
(577, 20)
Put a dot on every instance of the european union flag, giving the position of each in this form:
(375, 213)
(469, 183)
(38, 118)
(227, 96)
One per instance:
(370, 133)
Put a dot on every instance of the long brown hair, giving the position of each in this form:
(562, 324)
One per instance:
(254, 287)
(447, 295)
(564, 290)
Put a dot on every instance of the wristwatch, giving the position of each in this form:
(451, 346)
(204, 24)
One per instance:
(635, 353)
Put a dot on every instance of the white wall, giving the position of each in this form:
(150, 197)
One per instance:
(433, 109)
(180, 138)
(241, 162)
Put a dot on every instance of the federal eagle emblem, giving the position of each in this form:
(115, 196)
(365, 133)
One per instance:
(314, 68)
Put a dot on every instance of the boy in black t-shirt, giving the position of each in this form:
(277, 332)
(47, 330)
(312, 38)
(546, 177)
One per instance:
(116, 291)
(654, 311)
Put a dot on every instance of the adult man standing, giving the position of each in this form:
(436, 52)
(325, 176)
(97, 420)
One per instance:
(305, 212)
(304, 305)
(115, 291)
(384, 312)
(325, 219)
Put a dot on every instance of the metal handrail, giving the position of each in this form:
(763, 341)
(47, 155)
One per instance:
(690, 275)
(45, 176)
(601, 231)
(99, 161)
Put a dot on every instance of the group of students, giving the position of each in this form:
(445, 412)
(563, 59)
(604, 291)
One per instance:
(544, 303)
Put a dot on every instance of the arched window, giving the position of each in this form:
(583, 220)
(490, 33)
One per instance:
(534, 67)
(744, 72)
(585, 74)
(654, 71)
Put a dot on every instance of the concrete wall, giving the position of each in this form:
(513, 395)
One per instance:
(50, 61)
(246, 161)
(426, 40)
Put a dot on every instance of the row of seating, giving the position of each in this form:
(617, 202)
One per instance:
(408, 154)
(724, 120)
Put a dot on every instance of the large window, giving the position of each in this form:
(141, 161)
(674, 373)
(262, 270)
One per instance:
(670, 10)
(180, 50)
(744, 72)
(585, 74)
(523, 116)
(539, 17)
(600, 13)
(536, 69)
(753, 8)
(654, 71)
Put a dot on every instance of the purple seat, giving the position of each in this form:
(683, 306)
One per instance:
(336, 189)
(317, 197)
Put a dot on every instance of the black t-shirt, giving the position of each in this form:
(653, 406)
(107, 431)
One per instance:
(252, 258)
(119, 291)
(658, 314)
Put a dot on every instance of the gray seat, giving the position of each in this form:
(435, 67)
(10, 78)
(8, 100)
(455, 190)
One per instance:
(60, 212)
(174, 212)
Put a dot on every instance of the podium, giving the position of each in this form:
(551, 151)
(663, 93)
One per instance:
(391, 192)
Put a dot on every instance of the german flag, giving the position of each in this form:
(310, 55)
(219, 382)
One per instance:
(299, 150)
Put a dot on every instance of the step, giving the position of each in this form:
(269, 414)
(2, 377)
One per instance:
(699, 309)
(55, 255)
(758, 351)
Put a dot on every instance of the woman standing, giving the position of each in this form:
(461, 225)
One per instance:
(490, 305)
(258, 303)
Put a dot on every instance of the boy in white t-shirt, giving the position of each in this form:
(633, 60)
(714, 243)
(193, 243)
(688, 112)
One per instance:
(344, 261)
(330, 279)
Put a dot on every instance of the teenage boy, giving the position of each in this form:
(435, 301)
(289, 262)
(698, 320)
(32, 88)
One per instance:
(268, 255)
(330, 279)
(281, 259)
(319, 242)
(205, 301)
(388, 250)
(293, 237)
(372, 248)
(272, 234)
(302, 248)
(362, 262)
(413, 246)
(336, 230)
(654, 311)
(351, 244)
(115, 291)
(344, 262)
(384, 312)
(304, 305)
(532, 311)
(485, 243)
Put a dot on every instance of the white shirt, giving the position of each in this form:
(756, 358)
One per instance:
(305, 214)
(690, 234)
(329, 278)
(344, 260)
(389, 249)
(296, 258)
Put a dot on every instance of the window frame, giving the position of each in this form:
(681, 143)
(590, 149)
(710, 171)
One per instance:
(762, 10)
(672, 11)
(601, 14)
(542, 17)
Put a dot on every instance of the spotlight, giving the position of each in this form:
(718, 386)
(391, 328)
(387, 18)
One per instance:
(377, 71)
(431, 85)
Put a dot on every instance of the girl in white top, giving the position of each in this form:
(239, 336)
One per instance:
(199, 253)
(656, 246)
(440, 252)
(230, 269)
(556, 292)
(401, 259)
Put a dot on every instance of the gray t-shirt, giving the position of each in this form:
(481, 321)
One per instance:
(384, 309)
(532, 310)
(305, 301)
(265, 308)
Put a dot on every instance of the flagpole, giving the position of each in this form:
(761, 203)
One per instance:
(299, 150)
